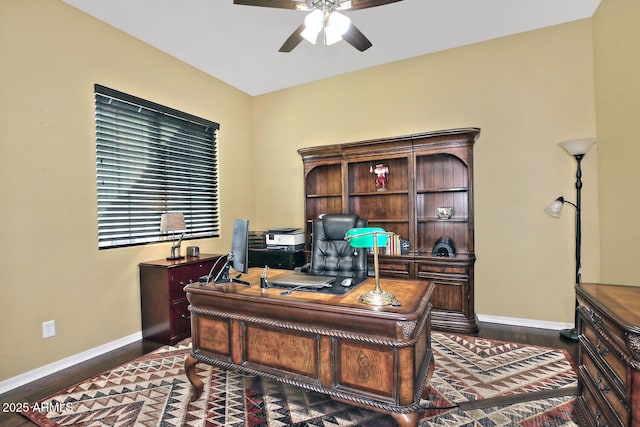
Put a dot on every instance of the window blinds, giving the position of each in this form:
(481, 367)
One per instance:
(151, 159)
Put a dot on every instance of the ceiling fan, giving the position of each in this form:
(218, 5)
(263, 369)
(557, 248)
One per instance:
(324, 16)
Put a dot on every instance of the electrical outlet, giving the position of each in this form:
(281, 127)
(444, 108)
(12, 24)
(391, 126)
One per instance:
(48, 329)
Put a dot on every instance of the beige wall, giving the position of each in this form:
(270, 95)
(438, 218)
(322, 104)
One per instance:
(526, 92)
(50, 267)
(617, 77)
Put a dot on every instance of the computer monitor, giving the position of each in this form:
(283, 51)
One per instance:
(238, 258)
(240, 246)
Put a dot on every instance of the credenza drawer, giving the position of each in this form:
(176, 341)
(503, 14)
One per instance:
(442, 268)
(394, 268)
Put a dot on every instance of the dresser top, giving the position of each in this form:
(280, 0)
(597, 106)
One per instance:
(179, 262)
(619, 302)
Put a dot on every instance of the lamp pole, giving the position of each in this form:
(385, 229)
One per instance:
(572, 334)
(577, 148)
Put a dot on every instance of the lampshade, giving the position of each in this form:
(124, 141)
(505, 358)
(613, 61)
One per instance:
(555, 208)
(337, 25)
(172, 222)
(313, 23)
(576, 147)
(363, 237)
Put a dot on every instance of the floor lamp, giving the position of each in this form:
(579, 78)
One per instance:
(577, 148)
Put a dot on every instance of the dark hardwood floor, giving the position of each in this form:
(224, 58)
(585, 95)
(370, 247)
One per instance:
(55, 382)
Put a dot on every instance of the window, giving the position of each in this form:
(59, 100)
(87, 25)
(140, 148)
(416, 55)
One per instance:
(151, 159)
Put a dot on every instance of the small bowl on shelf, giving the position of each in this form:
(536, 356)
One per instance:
(444, 213)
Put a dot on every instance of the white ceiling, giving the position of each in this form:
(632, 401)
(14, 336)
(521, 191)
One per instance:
(239, 44)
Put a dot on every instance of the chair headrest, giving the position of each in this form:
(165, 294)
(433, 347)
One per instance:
(336, 225)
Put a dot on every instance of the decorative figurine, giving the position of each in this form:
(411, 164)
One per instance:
(381, 171)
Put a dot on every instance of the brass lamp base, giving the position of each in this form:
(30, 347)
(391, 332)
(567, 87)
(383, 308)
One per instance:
(378, 297)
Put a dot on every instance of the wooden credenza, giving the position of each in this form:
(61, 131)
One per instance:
(374, 357)
(163, 302)
(609, 366)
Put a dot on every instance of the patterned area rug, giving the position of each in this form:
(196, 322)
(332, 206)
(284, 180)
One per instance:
(153, 391)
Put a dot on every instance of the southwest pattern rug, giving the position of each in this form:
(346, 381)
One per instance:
(154, 391)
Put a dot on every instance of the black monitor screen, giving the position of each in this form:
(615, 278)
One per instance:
(240, 245)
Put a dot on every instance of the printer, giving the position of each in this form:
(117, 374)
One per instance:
(289, 239)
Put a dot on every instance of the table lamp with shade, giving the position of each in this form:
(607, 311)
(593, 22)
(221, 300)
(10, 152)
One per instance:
(172, 222)
(372, 237)
(577, 148)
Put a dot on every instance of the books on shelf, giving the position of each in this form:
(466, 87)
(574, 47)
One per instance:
(393, 247)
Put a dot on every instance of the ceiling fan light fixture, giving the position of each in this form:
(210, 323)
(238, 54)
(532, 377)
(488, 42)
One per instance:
(337, 25)
(313, 24)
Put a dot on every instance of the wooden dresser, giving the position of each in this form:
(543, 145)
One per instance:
(609, 366)
(163, 302)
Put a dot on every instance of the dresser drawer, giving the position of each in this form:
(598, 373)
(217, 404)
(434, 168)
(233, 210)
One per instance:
(599, 380)
(597, 415)
(616, 367)
(599, 321)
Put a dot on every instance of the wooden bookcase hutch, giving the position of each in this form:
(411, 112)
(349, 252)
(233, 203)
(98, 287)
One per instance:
(426, 171)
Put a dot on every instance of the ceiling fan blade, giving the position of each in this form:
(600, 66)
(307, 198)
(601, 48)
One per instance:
(364, 4)
(281, 4)
(355, 38)
(294, 40)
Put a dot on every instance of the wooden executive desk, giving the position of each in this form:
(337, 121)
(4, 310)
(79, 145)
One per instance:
(378, 358)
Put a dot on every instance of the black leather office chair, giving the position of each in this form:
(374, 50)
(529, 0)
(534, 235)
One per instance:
(331, 254)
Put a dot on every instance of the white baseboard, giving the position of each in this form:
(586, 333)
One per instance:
(529, 323)
(54, 367)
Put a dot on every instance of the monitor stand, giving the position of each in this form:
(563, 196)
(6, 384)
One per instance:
(223, 275)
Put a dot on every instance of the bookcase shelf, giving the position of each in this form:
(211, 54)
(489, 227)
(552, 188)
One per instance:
(427, 171)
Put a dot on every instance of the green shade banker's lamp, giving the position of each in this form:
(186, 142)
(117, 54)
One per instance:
(371, 237)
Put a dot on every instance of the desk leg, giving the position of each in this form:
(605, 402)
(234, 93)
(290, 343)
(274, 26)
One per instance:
(425, 390)
(406, 420)
(190, 370)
